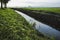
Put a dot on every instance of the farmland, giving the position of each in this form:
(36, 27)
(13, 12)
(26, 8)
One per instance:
(55, 10)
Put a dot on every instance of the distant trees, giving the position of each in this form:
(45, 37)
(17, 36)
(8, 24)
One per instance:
(4, 2)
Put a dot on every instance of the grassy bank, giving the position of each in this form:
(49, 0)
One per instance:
(47, 17)
(55, 10)
(14, 27)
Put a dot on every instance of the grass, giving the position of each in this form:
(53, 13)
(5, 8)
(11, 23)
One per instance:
(53, 9)
(14, 27)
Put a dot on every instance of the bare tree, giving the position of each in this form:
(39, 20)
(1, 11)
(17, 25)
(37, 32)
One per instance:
(5, 3)
(1, 3)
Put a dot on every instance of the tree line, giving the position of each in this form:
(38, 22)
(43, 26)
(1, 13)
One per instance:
(4, 2)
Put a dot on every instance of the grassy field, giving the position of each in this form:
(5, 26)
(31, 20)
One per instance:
(55, 10)
(14, 27)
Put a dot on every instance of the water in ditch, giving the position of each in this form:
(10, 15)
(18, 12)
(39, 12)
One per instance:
(43, 28)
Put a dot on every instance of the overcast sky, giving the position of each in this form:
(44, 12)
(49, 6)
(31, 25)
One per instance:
(34, 3)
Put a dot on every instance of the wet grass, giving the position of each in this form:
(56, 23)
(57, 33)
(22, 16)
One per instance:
(14, 27)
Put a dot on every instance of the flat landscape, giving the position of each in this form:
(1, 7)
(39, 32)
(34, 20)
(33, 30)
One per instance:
(29, 19)
(14, 27)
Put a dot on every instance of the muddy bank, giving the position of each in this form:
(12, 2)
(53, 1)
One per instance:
(50, 18)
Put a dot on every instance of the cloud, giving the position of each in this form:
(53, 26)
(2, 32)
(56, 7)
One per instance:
(43, 4)
(34, 3)
(50, 1)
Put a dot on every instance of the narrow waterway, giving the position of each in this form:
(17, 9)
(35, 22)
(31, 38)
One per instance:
(43, 28)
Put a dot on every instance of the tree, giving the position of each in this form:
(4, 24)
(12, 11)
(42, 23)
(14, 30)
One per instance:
(1, 3)
(5, 3)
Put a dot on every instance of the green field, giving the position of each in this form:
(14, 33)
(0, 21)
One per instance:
(55, 10)
(14, 27)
